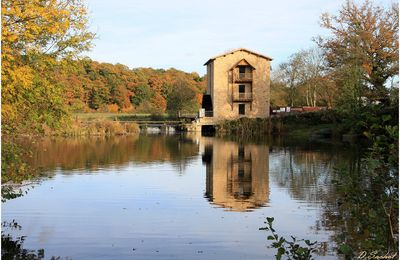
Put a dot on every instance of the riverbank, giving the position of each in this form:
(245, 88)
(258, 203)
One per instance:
(306, 126)
(100, 128)
(330, 124)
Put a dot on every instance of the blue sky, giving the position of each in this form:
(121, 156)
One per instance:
(185, 34)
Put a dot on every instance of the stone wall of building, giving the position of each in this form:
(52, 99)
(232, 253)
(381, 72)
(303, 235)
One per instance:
(221, 86)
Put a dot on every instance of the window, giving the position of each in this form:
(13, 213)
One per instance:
(242, 88)
(242, 109)
(242, 69)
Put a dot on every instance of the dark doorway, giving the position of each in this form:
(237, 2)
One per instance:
(207, 105)
(242, 110)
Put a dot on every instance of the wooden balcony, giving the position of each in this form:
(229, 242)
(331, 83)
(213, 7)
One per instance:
(242, 97)
(243, 77)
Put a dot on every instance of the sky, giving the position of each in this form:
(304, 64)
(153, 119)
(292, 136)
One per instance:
(184, 34)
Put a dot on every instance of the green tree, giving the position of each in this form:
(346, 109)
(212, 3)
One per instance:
(181, 98)
(142, 93)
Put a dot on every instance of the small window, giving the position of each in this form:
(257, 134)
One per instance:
(242, 109)
(242, 69)
(242, 88)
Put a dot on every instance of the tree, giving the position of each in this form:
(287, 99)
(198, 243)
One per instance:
(37, 37)
(289, 74)
(279, 95)
(142, 93)
(181, 98)
(365, 40)
(311, 72)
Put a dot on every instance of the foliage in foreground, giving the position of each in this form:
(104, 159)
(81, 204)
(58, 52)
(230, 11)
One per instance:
(13, 247)
(299, 249)
(366, 211)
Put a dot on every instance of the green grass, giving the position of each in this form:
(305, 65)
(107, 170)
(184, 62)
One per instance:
(303, 131)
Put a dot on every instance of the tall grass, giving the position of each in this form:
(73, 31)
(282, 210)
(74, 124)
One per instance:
(122, 117)
(246, 127)
(101, 128)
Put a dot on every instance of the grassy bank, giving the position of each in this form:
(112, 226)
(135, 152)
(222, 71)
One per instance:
(329, 124)
(99, 128)
(122, 117)
(312, 125)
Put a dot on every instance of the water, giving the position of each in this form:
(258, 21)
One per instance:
(174, 197)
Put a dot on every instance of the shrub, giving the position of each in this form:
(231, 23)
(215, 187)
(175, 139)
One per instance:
(132, 128)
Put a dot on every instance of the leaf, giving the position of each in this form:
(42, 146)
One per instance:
(372, 213)
(345, 249)
(281, 251)
(300, 250)
(386, 118)
(271, 238)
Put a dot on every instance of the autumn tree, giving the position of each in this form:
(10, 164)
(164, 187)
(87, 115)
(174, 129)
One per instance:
(363, 50)
(37, 37)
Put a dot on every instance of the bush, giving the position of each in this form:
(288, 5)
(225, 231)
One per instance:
(132, 128)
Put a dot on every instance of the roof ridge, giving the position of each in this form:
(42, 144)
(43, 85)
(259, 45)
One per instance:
(236, 50)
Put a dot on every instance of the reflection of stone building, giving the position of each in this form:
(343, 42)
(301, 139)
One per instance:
(237, 175)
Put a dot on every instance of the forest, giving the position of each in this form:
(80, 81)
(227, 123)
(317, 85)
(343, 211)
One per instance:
(103, 87)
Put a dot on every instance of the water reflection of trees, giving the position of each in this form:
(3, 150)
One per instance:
(236, 174)
(336, 180)
(358, 208)
(100, 152)
(305, 173)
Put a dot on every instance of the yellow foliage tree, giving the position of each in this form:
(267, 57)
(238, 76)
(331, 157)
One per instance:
(38, 36)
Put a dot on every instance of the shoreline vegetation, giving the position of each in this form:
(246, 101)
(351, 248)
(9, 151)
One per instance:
(97, 127)
(331, 124)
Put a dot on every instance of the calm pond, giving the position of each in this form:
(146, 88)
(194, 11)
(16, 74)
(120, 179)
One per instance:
(175, 197)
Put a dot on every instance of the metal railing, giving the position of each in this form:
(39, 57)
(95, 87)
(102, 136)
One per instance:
(209, 113)
(247, 96)
(247, 76)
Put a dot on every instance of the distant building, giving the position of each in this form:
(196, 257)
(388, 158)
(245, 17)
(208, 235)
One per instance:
(238, 86)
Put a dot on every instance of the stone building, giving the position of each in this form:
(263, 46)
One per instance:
(238, 86)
